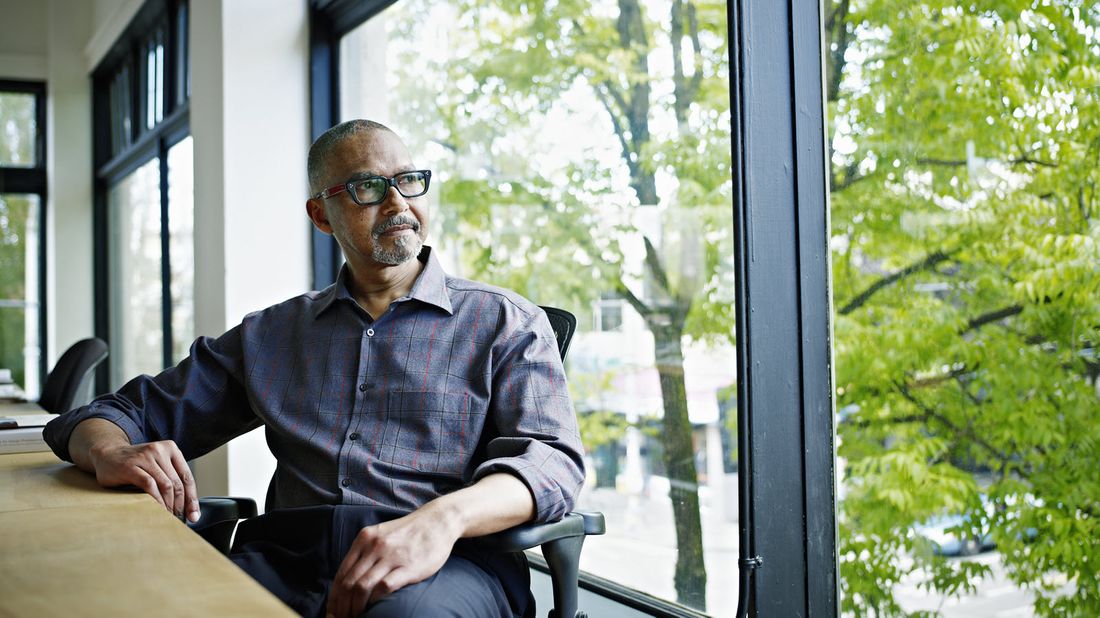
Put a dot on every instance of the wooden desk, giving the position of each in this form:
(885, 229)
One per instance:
(9, 407)
(71, 548)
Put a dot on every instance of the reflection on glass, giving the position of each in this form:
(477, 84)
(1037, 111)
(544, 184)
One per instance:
(181, 244)
(19, 328)
(17, 130)
(135, 262)
(587, 166)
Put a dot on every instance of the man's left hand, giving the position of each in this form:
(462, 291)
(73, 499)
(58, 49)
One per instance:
(389, 556)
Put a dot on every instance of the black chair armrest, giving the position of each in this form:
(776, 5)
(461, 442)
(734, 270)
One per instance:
(218, 518)
(526, 536)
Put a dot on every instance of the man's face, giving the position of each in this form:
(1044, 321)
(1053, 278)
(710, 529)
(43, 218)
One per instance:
(389, 233)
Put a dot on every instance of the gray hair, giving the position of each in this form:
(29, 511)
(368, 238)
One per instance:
(317, 163)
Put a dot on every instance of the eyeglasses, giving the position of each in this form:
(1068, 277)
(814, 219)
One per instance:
(372, 190)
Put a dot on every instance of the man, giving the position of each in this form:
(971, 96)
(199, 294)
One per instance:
(407, 409)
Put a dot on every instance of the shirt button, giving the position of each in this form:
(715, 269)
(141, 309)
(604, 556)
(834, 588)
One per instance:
(346, 482)
(370, 332)
(354, 436)
(363, 387)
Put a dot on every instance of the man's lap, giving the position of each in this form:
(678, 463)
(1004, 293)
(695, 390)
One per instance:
(295, 552)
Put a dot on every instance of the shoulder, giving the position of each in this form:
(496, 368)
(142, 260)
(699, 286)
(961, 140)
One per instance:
(470, 295)
(297, 309)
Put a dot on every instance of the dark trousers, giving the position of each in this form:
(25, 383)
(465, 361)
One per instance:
(294, 553)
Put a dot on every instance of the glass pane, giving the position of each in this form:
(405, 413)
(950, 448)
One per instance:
(183, 63)
(20, 348)
(137, 344)
(181, 244)
(964, 150)
(534, 122)
(154, 80)
(121, 111)
(18, 129)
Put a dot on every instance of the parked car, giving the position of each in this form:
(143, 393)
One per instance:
(948, 535)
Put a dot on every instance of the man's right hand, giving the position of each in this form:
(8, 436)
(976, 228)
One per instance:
(157, 468)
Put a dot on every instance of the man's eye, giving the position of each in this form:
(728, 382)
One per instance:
(372, 184)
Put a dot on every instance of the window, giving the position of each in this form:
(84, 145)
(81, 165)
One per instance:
(775, 181)
(22, 246)
(144, 209)
(964, 154)
(524, 200)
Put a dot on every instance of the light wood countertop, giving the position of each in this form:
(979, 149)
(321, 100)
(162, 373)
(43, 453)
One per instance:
(71, 548)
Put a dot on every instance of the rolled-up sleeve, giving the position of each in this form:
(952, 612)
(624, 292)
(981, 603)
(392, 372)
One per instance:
(538, 439)
(200, 403)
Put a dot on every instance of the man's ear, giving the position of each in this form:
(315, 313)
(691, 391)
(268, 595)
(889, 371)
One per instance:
(315, 208)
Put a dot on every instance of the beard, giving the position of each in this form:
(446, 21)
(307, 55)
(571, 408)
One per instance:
(404, 247)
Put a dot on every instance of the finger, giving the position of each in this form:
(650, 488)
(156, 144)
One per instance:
(338, 593)
(163, 483)
(392, 582)
(173, 492)
(145, 482)
(190, 492)
(182, 474)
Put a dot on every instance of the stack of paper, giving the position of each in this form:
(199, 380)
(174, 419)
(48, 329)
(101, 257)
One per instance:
(22, 433)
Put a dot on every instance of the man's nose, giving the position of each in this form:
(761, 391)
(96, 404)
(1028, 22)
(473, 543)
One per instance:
(394, 202)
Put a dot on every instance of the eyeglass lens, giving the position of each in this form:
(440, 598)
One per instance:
(371, 190)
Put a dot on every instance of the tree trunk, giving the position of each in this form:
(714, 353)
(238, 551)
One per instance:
(691, 573)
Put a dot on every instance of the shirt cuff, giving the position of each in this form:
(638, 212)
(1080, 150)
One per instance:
(59, 430)
(551, 504)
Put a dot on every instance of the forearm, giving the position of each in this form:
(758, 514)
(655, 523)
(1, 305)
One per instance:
(94, 433)
(494, 503)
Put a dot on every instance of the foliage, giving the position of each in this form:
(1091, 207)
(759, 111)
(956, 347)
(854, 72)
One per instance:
(17, 126)
(966, 258)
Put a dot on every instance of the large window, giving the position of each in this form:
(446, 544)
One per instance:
(493, 100)
(144, 209)
(22, 248)
(591, 156)
(965, 168)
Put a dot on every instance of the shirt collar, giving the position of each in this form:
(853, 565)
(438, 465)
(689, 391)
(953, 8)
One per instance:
(430, 286)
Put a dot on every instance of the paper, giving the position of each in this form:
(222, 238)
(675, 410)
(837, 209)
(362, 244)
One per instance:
(25, 420)
(22, 440)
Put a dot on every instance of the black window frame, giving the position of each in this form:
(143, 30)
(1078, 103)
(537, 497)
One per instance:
(786, 432)
(119, 149)
(33, 180)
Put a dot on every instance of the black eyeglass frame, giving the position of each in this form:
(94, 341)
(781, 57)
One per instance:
(391, 181)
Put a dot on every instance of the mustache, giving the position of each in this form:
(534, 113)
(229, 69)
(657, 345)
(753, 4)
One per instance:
(394, 221)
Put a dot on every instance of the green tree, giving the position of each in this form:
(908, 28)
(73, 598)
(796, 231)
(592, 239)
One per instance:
(965, 150)
(655, 78)
(17, 127)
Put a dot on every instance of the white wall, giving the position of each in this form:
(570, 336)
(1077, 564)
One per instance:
(250, 121)
(69, 284)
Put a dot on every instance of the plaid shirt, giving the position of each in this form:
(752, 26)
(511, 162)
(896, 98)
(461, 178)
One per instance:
(455, 381)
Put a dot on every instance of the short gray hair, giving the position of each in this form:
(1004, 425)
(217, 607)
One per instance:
(317, 163)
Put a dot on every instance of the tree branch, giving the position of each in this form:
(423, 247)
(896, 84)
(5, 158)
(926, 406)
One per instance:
(992, 316)
(961, 162)
(639, 306)
(838, 24)
(925, 264)
(955, 429)
(653, 261)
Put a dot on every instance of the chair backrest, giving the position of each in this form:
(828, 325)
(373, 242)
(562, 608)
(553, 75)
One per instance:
(564, 325)
(70, 373)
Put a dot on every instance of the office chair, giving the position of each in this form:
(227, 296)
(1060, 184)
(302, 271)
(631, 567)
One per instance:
(561, 540)
(70, 374)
